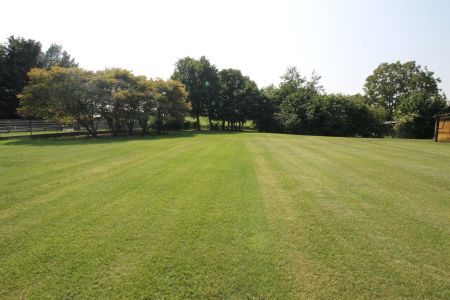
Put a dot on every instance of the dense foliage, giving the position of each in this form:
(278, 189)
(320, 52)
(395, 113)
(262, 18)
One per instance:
(226, 96)
(17, 57)
(410, 94)
(415, 114)
(237, 99)
(300, 106)
(406, 95)
(115, 95)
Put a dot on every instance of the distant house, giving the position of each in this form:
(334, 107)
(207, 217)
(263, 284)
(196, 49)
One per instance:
(442, 128)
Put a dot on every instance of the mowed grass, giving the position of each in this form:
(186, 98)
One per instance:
(224, 215)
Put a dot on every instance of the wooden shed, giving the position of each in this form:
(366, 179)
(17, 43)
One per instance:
(442, 128)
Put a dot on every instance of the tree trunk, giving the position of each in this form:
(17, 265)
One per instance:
(223, 125)
(144, 128)
(94, 130)
(159, 123)
(91, 129)
(130, 129)
(210, 121)
(116, 129)
(198, 122)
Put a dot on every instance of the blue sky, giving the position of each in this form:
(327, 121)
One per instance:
(343, 41)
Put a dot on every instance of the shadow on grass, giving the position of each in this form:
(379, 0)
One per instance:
(108, 139)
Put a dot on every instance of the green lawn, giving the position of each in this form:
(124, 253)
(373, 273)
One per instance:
(237, 215)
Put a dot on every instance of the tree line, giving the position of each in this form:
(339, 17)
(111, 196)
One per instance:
(227, 97)
(299, 105)
(49, 85)
(116, 95)
(405, 96)
(17, 57)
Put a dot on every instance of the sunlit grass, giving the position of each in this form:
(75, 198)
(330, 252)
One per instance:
(224, 215)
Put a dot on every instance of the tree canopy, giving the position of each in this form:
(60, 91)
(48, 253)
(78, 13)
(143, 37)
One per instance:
(201, 80)
(50, 86)
(116, 95)
(391, 83)
(299, 105)
(56, 56)
(237, 99)
(17, 57)
(410, 95)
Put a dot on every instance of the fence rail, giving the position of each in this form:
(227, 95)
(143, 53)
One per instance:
(11, 127)
(26, 125)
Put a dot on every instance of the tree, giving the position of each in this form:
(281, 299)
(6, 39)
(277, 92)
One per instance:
(131, 99)
(17, 58)
(390, 83)
(267, 107)
(296, 93)
(56, 56)
(341, 115)
(209, 92)
(62, 93)
(36, 98)
(237, 100)
(118, 91)
(171, 97)
(147, 104)
(201, 80)
(299, 105)
(415, 114)
(365, 120)
(115, 94)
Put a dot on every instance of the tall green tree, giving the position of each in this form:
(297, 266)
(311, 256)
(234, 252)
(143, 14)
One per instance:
(392, 82)
(267, 107)
(296, 93)
(56, 56)
(237, 100)
(17, 57)
(201, 80)
(209, 76)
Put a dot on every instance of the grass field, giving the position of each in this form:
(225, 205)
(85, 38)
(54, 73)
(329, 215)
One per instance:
(232, 215)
